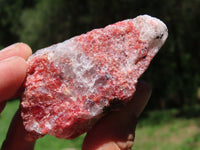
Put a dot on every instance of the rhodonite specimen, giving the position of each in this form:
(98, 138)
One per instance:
(70, 85)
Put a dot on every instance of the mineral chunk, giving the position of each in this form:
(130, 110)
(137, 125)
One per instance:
(70, 85)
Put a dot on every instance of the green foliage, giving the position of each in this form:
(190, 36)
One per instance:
(178, 134)
(7, 19)
(178, 62)
(10, 12)
(58, 144)
(51, 22)
(39, 25)
(168, 130)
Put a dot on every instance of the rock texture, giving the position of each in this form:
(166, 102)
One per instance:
(70, 85)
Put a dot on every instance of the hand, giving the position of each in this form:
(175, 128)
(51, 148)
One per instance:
(12, 75)
(113, 132)
(116, 131)
(13, 70)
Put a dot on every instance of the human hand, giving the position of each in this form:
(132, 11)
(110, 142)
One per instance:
(13, 70)
(115, 131)
(12, 74)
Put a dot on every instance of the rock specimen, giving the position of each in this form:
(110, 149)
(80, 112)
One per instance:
(70, 85)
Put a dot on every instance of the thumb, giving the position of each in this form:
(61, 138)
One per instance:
(116, 130)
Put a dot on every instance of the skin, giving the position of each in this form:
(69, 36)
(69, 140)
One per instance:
(113, 132)
(11, 77)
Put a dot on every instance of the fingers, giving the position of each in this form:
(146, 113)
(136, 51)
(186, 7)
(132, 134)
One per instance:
(19, 49)
(13, 73)
(140, 99)
(116, 130)
(17, 136)
(13, 70)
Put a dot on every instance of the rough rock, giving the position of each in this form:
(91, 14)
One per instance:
(70, 85)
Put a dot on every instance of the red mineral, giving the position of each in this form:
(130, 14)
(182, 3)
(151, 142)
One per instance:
(69, 86)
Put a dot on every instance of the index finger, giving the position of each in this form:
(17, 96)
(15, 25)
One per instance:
(116, 130)
(19, 49)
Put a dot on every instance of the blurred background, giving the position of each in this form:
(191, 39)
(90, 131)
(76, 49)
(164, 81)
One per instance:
(171, 119)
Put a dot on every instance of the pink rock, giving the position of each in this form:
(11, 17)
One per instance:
(69, 86)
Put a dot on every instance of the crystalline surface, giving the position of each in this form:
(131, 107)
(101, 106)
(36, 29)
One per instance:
(68, 85)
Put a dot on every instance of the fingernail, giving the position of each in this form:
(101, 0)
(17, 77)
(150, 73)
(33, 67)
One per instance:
(21, 45)
(109, 146)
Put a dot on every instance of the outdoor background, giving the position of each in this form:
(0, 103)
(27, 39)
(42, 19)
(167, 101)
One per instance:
(171, 119)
